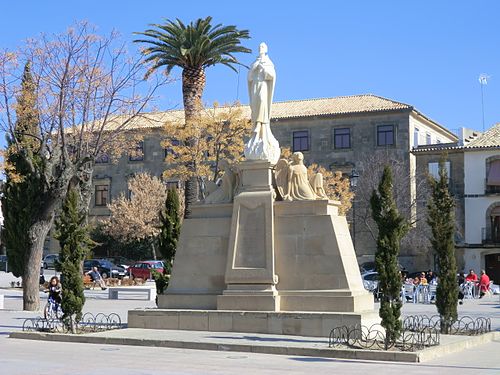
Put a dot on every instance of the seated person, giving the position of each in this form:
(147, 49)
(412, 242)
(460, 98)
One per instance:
(96, 277)
(471, 277)
(416, 280)
(423, 280)
(430, 276)
(461, 281)
(484, 284)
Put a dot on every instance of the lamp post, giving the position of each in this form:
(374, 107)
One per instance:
(353, 181)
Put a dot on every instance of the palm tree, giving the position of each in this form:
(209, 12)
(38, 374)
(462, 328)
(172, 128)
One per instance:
(192, 48)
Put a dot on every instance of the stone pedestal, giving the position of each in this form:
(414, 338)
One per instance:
(258, 265)
(250, 275)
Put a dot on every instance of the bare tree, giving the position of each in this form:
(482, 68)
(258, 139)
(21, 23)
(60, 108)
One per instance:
(137, 217)
(90, 94)
(410, 194)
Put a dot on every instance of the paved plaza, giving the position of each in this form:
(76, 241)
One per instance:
(39, 357)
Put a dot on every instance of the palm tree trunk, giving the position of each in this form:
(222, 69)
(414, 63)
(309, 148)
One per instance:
(193, 84)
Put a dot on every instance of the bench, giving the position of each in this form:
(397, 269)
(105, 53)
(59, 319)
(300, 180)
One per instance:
(149, 290)
(88, 283)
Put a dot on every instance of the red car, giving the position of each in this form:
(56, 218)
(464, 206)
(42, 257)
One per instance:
(144, 269)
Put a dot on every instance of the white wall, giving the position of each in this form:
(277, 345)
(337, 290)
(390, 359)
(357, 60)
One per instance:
(475, 217)
(475, 170)
(475, 207)
(423, 130)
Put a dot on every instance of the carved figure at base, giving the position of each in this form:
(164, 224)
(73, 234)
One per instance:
(316, 182)
(292, 181)
(224, 192)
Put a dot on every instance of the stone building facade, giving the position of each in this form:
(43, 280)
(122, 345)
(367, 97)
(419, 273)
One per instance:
(474, 170)
(337, 133)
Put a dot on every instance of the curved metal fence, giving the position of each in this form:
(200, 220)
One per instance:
(88, 323)
(465, 325)
(363, 337)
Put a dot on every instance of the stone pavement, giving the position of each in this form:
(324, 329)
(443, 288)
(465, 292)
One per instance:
(71, 358)
(79, 358)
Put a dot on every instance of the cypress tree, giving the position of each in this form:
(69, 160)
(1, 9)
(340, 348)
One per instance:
(170, 227)
(22, 187)
(391, 228)
(74, 240)
(441, 220)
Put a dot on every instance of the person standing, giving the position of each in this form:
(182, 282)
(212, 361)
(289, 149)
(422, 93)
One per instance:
(484, 284)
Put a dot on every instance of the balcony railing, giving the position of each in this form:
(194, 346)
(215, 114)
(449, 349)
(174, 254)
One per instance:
(489, 236)
(491, 189)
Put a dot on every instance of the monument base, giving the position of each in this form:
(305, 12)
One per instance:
(249, 298)
(313, 324)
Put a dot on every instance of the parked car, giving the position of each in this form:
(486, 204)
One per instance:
(120, 261)
(370, 281)
(144, 269)
(105, 268)
(367, 267)
(50, 260)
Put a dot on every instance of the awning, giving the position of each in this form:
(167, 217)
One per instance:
(494, 173)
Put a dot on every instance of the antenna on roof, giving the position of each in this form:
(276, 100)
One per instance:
(483, 80)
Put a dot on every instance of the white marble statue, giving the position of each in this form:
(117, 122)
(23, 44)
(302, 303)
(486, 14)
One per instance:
(292, 181)
(261, 80)
(223, 193)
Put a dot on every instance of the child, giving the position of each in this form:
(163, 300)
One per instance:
(54, 290)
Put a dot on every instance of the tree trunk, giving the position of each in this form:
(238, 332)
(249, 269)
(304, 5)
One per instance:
(193, 84)
(153, 250)
(31, 287)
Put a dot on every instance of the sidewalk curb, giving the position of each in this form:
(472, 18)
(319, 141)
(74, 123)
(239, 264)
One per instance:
(373, 355)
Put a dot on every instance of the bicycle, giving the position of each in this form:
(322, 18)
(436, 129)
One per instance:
(52, 310)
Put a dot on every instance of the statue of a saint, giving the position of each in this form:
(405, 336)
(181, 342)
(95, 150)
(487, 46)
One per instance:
(261, 80)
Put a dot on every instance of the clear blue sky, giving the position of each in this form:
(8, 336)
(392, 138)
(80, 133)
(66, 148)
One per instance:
(425, 53)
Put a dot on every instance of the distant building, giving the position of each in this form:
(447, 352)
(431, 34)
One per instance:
(334, 132)
(474, 170)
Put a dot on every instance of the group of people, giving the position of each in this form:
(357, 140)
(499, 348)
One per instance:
(424, 278)
(472, 280)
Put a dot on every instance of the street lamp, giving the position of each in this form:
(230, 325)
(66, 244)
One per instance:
(353, 181)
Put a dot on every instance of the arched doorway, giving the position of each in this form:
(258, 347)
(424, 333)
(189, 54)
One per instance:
(492, 266)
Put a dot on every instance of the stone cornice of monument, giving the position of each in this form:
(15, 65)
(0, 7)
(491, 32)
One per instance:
(261, 81)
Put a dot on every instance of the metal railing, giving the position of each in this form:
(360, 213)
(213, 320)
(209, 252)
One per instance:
(489, 237)
(88, 323)
(465, 325)
(374, 338)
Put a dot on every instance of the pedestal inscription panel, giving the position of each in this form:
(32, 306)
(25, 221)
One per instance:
(250, 239)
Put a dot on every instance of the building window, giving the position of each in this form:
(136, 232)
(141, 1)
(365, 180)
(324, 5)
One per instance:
(172, 184)
(101, 195)
(137, 154)
(301, 141)
(416, 136)
(385, 135)
(493, 177)
(428, 139)
(169, 150)
(342, 138)
(102, 158)
(434, 170)
(438, 141)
